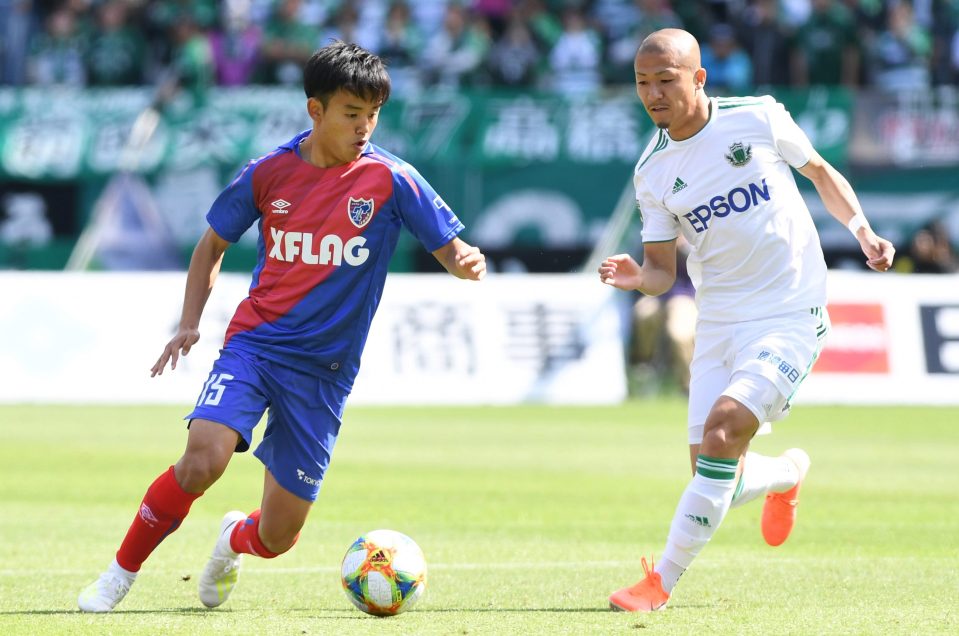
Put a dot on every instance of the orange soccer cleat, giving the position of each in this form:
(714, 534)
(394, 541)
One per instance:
(779, 511)
(646, 596)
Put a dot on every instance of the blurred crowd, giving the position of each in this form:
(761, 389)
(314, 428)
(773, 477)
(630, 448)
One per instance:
(566, 46)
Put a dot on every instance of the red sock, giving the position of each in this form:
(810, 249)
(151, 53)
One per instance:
(163, 508)
(246, 538)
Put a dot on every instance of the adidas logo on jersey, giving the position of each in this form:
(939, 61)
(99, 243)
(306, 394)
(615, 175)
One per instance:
(736, 200)
(291, 247)
(679, 185)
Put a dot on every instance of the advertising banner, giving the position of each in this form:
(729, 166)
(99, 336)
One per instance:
(906, 129)
(92, 338)
(437, 340)
(858, 341)
(940, 332)
(895, 340)
(522, 170)
(236, 124)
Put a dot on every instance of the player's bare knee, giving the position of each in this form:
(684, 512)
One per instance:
(728, 429)
(196, 472)
(718, 442)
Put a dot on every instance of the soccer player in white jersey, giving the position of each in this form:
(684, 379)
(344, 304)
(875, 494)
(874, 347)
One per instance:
(719, 173)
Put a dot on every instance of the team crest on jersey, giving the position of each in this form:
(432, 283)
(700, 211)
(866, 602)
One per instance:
(739, 154)
(361, 211)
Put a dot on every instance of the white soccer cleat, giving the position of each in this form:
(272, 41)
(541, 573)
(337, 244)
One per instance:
(222, 570)
(103, 594)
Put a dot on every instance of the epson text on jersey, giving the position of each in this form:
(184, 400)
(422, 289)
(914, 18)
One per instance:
(736, 200)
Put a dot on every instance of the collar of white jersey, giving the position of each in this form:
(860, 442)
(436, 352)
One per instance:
(713, 114)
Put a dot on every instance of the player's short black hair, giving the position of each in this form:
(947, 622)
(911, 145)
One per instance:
(340, 65)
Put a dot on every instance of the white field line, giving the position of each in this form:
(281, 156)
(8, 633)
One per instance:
(511, 565)
(516, 565)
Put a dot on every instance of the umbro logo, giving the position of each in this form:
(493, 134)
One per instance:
(679, 185)
(280, 206)
(147, 515)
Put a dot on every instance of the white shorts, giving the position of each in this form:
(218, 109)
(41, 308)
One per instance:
(759, 363)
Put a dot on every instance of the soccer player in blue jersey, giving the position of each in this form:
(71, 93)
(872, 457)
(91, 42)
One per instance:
(329, 206)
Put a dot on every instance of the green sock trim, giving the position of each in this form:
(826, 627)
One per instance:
(716, 467)
(739, 489)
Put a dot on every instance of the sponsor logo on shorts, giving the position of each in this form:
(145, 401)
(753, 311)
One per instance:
(302, 476)
(785, 368)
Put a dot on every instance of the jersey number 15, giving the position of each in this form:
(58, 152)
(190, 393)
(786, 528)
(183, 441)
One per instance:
(213, 389)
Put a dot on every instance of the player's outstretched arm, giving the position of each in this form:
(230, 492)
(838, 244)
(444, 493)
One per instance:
(462, 260)
(204, 267)
(656, 275)
(841, 202)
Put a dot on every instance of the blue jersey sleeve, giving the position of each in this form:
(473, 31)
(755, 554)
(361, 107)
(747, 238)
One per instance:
(423, 211)
(234, 211)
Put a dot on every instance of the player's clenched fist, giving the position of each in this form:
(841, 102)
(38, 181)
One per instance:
(620, 271)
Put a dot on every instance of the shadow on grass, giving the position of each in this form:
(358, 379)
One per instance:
(312, 611)
(66, 612)
(515, 609)
(558, 610)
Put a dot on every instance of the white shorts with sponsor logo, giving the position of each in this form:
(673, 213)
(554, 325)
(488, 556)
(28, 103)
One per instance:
(760, 363)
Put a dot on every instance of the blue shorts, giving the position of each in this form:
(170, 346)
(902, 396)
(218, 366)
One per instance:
(305, 413)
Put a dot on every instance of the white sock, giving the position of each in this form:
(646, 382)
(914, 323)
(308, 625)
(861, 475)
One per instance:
(762, 474)
(118, 570)
(701, 509)
(670, 573)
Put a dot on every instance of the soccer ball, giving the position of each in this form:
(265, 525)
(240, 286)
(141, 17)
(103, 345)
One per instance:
(384, 573)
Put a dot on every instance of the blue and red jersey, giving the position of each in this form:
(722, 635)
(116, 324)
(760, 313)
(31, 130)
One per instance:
(326, 238)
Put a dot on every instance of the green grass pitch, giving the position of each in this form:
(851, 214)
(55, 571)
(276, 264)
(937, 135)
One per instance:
(529, 518)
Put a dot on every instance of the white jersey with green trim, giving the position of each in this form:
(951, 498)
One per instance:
(729, 190)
